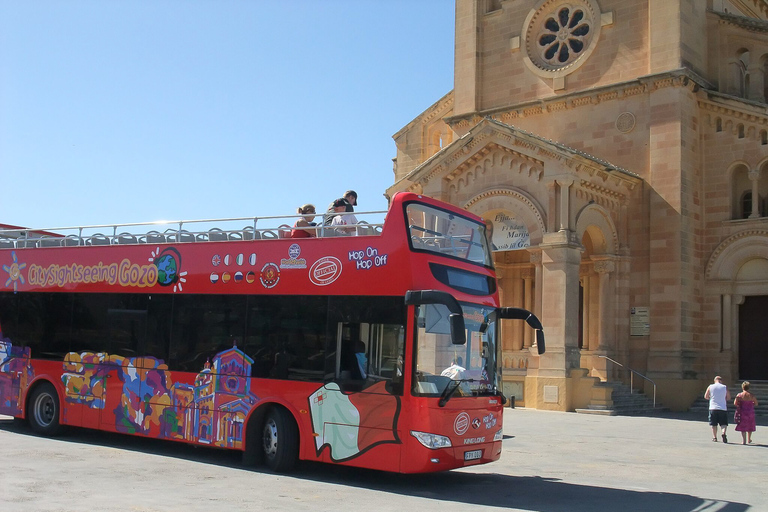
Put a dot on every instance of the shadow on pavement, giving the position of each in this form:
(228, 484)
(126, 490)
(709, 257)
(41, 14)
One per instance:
(461, 487)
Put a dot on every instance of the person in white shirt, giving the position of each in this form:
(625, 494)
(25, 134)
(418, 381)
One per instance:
(344, 222)
(718, 396)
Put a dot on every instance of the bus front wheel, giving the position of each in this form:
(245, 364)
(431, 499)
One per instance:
(280, 440)
(43, 411)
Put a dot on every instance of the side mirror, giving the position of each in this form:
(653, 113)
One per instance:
(458, 332)
(530, 319)
(455, 319)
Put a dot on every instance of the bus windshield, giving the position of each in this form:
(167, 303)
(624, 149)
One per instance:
(438, 361)
(435, 230)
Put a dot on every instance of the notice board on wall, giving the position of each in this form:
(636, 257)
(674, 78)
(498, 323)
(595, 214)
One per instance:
(639, 322)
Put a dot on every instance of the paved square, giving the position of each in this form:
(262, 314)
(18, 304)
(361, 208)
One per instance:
(551, 462)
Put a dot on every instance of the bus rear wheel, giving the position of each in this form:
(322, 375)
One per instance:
(43, 411)
(280, 440)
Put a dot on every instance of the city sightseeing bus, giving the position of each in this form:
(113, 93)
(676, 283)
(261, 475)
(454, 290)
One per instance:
(330, 348)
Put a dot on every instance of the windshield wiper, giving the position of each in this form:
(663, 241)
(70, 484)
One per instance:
(450, 390)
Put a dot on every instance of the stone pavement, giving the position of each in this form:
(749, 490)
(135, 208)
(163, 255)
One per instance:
(552, 462)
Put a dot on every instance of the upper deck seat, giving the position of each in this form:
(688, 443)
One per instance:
(217, 235)
(155, 237)
(99, 239)
(250, 234)
(71, 241)
(50, 241)
(126, 238)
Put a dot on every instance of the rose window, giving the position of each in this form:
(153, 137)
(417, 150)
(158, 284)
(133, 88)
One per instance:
(560, 36)
(563, 36)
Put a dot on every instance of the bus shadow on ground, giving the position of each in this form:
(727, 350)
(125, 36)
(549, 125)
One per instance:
(539, 493)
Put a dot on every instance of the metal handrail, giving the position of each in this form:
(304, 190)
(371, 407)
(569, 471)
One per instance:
(631, 380)
(199, 227)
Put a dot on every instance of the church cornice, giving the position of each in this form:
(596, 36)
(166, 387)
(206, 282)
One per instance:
(745, 22)
(489, 136)
(737, 108)
(682, 77)
(436, 109)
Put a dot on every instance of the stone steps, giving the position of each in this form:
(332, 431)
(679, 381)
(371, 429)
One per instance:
(625, 402)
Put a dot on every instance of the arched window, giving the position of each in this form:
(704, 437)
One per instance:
(718, 125)
(741, 73)
(746, 205)
(740, 129)
(741, 193)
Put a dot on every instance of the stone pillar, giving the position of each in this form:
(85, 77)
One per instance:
(754, 174)
(528, 274)
(537, 267)
(519, 328)
(548, 381)
(589, 344)
(565, 211)
(727, 322)
(604, 269)
(551, 207)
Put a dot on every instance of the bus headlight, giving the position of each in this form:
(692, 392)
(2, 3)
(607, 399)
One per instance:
(498, 436)
(432, 441)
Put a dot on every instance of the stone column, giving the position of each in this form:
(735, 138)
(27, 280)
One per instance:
(519, 327)
(727, 322)
(551, 207)
(565, 212)
(527, 274)
(754, 176)
(584, 278)
(604, 269)
(536, 260)
(547, 384)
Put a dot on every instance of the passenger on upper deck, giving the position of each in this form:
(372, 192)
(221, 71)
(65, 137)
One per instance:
(350, 197)
(304, 227)
(343, 222)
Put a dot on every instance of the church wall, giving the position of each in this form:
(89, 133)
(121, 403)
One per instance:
(621, 54)
(693, 35)
(592, 128)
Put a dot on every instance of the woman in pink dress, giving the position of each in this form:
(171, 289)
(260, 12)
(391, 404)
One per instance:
(745, 407)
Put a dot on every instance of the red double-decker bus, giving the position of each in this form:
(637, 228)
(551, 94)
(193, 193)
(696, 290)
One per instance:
(378, 350)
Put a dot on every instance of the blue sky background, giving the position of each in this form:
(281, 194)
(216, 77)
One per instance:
(132, 111)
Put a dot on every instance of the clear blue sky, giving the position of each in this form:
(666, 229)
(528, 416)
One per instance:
(129, 111)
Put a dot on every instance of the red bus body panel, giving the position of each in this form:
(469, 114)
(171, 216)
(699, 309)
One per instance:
(139, 395)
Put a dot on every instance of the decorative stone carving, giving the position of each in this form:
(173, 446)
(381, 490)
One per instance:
(604, 266)
(559, 36)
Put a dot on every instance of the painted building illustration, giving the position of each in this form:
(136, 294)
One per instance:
(15, 373)
(211, 410)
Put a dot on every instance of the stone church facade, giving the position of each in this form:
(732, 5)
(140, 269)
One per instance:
(619, 151)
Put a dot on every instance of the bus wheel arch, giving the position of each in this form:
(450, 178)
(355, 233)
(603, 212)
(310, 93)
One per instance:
(43, 409)
(272, 438)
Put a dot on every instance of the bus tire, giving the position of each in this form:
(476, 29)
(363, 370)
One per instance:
(280, 440)
(43, 410)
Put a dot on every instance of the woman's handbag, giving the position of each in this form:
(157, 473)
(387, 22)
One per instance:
(737, 415)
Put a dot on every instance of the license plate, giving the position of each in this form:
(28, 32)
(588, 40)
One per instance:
(473, 455)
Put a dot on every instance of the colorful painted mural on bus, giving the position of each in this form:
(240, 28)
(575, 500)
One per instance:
(211, 410)
(15, 373)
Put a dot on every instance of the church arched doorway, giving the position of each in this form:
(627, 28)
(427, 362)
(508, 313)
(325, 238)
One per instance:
(753, 338)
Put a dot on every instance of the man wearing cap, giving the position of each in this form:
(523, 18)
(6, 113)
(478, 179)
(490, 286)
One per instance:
(343, 221)
(349, 200)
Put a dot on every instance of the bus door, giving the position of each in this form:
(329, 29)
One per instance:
(363, 393)
(123, 364)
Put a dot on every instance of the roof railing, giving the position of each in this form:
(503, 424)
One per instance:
(183, 231)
